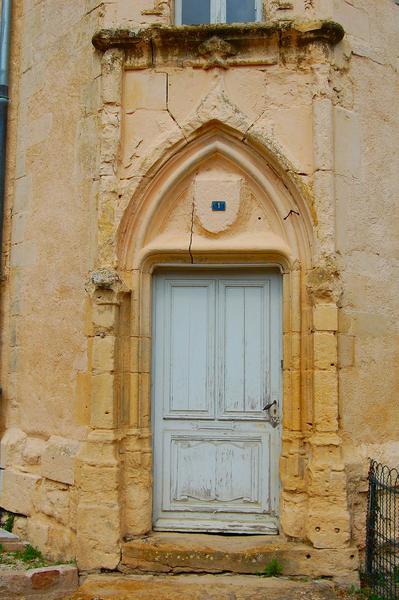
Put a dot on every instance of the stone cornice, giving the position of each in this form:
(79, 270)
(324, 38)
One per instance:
(216, 45)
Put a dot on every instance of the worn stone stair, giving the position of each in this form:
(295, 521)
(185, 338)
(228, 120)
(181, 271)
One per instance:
(201, 553)
(201, 587)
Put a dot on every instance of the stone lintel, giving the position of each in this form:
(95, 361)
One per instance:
(216, 45)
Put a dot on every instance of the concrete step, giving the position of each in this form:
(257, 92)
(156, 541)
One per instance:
(201, 553)
(201, 587)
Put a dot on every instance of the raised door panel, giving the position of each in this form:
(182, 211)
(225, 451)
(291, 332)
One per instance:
(188, 354)
(244, 349)
(216, 472)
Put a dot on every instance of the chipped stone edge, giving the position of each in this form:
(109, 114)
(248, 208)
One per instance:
(302, 32)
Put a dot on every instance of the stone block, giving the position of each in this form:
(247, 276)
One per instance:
(101, 482)
(222, 587)
(325, 400)
(23, 255)
(103, 354)
(325, 317)
(293, 130)
(347, 143)
(176, 553)
(354, 20)
(58, 460)
(53, 539)
(38, 532)
(20, 527)
(46, 583)
(82, 398)
(327, 526)
(326, 482)
(98, 528)
(19, 221)
(12, 447)
(324, 128)
(196, 84)
(66, 578)
(39, 129)
(292, 350)
(102, 401)
(146, 90)
(293, 513)
(22, 194)
(52, 499)
(104, 316)
(346, 350)
(325, 350)
(33, 450)
(112, 73)
(17, 491)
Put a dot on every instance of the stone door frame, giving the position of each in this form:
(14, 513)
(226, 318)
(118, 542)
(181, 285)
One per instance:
(114, 469)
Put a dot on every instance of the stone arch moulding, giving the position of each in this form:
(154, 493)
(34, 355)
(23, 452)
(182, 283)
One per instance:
(256, 157)
(162, 225)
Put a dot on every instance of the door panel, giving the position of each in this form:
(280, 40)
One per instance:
(189, 320)
(213, 472)
(244, 355)
(216, 363)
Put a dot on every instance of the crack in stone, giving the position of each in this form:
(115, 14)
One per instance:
(191, 234)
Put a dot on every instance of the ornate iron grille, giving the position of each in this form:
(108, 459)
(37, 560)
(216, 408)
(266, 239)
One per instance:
(382, 541)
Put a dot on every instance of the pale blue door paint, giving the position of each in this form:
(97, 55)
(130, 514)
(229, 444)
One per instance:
(216, 364)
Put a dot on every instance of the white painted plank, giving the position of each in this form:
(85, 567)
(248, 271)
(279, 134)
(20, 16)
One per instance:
(254, 348)
(233, 348)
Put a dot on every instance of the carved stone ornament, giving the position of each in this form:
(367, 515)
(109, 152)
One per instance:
(104, 279)
(215, 51)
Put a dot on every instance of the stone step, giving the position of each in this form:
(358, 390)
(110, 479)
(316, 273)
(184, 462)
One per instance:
(202, 553)
(201, 587)
(10, 542)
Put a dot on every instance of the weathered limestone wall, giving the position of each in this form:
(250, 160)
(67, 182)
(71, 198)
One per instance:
(52, 179)
(367, 221)
(72, 362)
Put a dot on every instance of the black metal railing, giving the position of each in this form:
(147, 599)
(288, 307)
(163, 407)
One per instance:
(382, 536)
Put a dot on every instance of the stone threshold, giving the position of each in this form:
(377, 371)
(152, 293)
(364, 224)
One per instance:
(175, 553)
(201, 587)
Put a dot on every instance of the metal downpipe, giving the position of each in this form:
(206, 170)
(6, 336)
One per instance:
(5, 35)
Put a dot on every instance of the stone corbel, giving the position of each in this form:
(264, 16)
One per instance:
(104, 286)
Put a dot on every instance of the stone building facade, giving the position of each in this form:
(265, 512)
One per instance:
(116, 114)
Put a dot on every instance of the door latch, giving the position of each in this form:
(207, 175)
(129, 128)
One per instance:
(274, 418)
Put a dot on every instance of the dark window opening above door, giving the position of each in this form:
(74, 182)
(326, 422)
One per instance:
(201, 12)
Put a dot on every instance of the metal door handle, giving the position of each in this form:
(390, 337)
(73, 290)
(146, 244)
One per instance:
(268, 406)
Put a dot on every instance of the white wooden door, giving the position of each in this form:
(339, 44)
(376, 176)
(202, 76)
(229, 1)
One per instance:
(216, 366)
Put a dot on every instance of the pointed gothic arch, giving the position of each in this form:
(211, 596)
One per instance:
(151, 235)
(264, 165)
